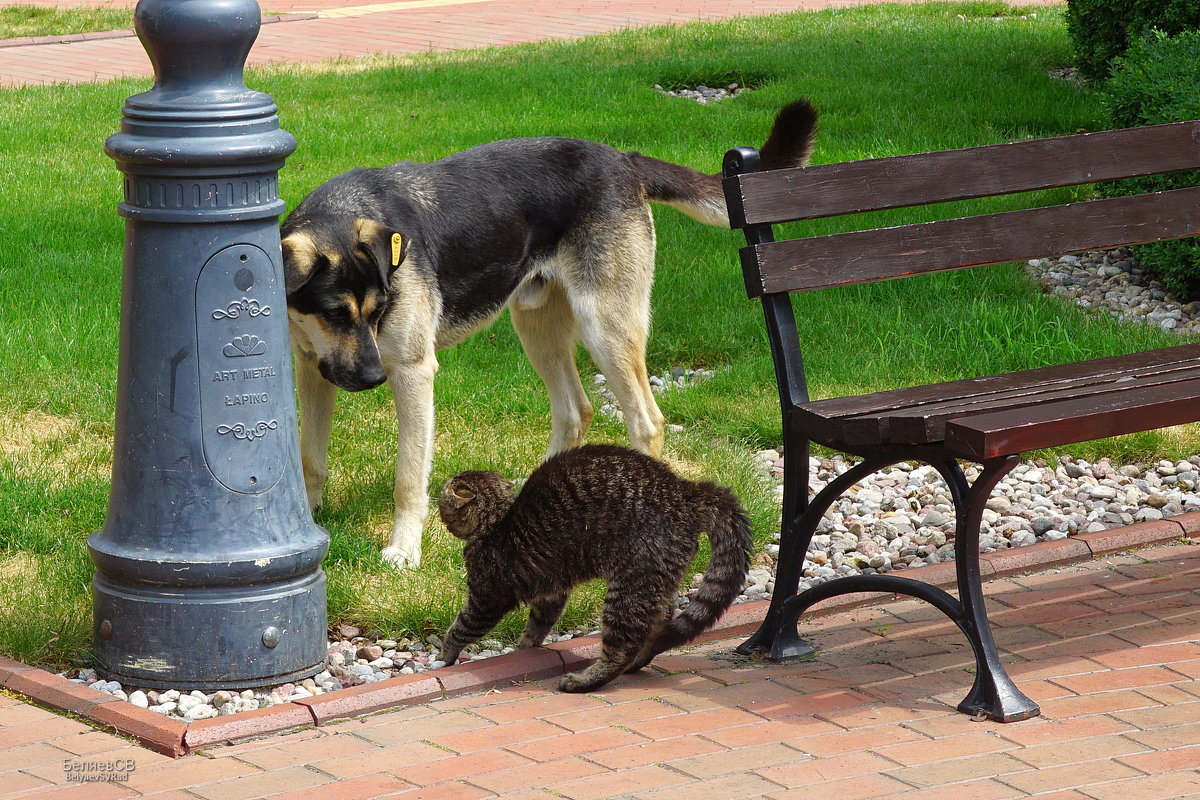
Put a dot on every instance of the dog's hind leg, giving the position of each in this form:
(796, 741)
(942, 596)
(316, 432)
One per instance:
(412, 390)
(317, 397)
(612, 307)
(547, 332)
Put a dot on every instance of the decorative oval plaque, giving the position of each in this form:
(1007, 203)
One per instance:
(241, 338)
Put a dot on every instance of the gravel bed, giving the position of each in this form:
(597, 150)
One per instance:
(896, 519)
(902, 516)
(703, 94)
(351, 660)
(1111, 281)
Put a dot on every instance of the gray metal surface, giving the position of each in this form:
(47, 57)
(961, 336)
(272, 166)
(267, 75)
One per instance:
(208, 565)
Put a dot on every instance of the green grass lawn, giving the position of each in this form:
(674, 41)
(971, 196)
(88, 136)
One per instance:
(888, 80)
(19, 21)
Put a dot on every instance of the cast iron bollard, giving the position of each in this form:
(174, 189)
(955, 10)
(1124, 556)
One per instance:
(208, 566)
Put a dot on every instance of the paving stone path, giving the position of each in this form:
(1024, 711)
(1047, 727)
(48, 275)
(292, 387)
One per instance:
(348, 29)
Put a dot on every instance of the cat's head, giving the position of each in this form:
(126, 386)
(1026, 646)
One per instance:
(472, 501)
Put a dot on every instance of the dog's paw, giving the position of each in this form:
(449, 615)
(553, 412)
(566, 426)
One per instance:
(314, 490)
(401, 558)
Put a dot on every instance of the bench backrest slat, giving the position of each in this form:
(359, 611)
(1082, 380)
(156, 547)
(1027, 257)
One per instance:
(828, 190)
(861, 256)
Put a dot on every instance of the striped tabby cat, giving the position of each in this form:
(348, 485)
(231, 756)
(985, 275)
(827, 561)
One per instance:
(597, 511)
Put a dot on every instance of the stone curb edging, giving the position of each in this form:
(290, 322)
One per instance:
(125, 33)
(175, 738)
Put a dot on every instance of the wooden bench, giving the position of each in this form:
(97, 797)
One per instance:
(991, 420)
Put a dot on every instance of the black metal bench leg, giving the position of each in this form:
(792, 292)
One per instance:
(777, 636)
(993, 694)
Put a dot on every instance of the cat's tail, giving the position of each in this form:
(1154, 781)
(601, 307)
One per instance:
(730, 539)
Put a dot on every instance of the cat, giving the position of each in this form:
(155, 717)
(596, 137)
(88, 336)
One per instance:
(596, 511)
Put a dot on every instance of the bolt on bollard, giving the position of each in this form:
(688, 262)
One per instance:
(209, 564)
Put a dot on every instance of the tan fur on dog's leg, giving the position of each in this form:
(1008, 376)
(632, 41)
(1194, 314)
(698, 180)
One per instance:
(412, 390)
(547, 333)
(317, 397)
(614, 320)
(619, 353)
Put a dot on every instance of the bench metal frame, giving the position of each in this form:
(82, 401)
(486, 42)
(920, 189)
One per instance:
(772, 270)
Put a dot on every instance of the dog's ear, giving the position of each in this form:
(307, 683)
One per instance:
(300, 257)
(386, 247)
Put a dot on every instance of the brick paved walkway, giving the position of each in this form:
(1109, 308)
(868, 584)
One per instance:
(357, 28)
(1109, 648)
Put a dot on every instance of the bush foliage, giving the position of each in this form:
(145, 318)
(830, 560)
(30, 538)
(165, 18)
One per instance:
(1158, 81)
(1102, 30)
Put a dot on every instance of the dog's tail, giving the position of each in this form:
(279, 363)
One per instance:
(730, 539)
(700, 196)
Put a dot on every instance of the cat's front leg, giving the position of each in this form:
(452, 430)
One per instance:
(544, 611)
(471, 624)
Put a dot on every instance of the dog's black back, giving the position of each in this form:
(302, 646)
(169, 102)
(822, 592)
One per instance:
(487, 215)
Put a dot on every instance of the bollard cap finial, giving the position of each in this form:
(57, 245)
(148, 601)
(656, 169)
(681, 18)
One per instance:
(198, 46)
(199, 121)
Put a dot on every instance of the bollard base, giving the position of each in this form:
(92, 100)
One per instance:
(210, 639)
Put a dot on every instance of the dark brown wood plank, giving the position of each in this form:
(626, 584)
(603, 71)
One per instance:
(863, 256)
(929, 424)
(1016, 431)
(898, 400)
(827, 190)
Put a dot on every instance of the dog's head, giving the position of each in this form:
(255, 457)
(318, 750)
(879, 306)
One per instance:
(338, 272)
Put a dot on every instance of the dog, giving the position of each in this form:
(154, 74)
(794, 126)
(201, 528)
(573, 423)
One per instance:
(385, 266)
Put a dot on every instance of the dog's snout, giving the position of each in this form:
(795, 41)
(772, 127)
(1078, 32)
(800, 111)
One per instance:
(372, 376)
(354, 379)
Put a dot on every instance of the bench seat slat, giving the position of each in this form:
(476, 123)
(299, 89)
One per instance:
(1069, 421)
(827, 190)
(824, 419)
(862, 256)
(928, 424)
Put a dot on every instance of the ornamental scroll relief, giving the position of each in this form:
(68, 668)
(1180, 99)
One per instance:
(241, 368)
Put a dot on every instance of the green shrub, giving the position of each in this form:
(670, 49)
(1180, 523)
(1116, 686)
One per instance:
(1158, 81)
(1101, 30)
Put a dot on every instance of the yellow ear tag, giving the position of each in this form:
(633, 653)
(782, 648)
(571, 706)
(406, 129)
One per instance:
(396, 242)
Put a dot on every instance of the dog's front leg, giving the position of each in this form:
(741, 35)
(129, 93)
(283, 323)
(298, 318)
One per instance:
(412, 389)
(317, 397)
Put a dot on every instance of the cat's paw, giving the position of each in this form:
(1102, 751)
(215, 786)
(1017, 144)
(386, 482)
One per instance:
(572, 682)
(402, 558)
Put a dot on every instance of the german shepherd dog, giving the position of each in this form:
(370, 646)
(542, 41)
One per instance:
(384, 267)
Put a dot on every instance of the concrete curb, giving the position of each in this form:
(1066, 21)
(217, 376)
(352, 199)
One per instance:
(175, 738)
(126, 33)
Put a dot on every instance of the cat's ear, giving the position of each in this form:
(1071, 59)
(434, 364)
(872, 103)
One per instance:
(507, 483)
(461, 494)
